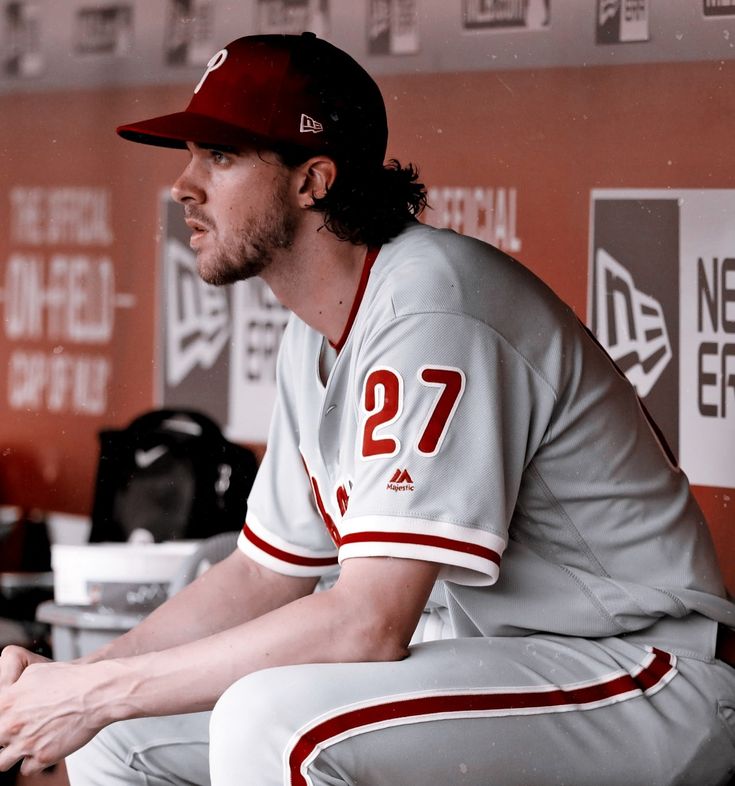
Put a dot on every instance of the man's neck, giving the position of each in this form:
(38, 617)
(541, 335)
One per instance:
(318, 279)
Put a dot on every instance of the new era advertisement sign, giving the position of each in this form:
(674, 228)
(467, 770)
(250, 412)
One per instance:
(195, 325)
(219, 344)
(662, 302)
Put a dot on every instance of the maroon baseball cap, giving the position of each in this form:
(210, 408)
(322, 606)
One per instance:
(281, 91)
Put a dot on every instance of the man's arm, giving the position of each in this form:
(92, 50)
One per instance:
(231, 592)
(369, 615)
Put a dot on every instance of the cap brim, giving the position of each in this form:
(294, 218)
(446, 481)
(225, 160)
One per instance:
(177, 129)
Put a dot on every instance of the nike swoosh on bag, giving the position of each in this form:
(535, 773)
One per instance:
(144, 458)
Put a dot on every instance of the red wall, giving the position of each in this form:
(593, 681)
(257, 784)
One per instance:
(551, 135)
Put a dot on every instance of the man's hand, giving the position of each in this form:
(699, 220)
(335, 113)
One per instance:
(46, 712)
(51, 709)
(14, 661)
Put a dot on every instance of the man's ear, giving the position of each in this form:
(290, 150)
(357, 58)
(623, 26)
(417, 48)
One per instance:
(316, 177)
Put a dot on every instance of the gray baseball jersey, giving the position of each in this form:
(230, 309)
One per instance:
(470, 420)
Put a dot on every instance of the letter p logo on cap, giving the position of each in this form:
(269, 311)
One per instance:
(215, 62)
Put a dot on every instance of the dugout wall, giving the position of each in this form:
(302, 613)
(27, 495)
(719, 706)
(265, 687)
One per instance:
(592, 139)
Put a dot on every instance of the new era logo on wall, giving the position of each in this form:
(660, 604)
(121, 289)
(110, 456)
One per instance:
(219, 344)
(630, 324)
(662, 302)
(197, 316)
(195, 325)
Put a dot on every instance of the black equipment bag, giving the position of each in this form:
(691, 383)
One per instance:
(172, 473)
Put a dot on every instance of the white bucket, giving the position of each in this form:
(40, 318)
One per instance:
(102, 573)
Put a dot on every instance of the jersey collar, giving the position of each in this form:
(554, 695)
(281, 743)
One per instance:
(370, 257)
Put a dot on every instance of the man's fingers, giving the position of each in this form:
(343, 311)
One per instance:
(10, 673)
(14, 661)
(8, 758)
(32, 766)
(32, 763)
(11, 665)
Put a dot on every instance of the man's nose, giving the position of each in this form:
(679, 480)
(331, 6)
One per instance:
(187, 188)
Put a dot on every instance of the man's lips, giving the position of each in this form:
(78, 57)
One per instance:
(196, 225)
(199, 226)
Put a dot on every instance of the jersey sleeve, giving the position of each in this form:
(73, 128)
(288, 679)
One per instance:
(448, 414)
(283, 530)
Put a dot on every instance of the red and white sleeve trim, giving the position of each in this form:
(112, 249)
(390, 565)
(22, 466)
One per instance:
(468, 556)
(279, 555)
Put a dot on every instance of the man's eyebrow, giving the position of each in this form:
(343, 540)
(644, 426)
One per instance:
(220, 148)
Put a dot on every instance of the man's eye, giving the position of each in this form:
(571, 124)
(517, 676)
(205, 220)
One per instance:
(218, 156)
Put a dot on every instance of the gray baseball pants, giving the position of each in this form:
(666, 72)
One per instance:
(539, 709)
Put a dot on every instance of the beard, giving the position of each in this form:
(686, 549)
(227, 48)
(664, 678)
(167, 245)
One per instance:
(251, 252)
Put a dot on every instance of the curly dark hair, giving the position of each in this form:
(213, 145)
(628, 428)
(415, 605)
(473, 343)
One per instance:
(368, 206)
(373, 209)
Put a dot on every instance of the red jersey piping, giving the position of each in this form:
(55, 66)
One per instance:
(370, 258)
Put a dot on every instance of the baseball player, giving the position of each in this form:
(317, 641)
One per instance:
(517, 586)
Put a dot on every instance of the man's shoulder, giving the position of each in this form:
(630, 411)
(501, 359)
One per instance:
(429, 269)
(437, 248)
(425, 268)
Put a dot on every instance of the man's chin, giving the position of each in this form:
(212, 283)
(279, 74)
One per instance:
(217, 279)
(209, 273)
(221, 274)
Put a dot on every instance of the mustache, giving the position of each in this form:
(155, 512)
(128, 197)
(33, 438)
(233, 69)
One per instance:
(193, 213)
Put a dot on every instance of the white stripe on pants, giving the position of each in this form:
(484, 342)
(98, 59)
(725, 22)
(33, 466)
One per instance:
(670, 727)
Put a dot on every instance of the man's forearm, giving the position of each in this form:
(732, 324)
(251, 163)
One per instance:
(363, 618)
(229, 593)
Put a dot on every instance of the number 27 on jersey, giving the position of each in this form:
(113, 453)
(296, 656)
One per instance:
(382, 403)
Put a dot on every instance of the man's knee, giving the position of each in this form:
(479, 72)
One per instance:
(253, 721)
(242, 722)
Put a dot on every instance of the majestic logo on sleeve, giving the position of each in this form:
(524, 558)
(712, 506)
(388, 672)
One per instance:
(401, 481)
(630, 325)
